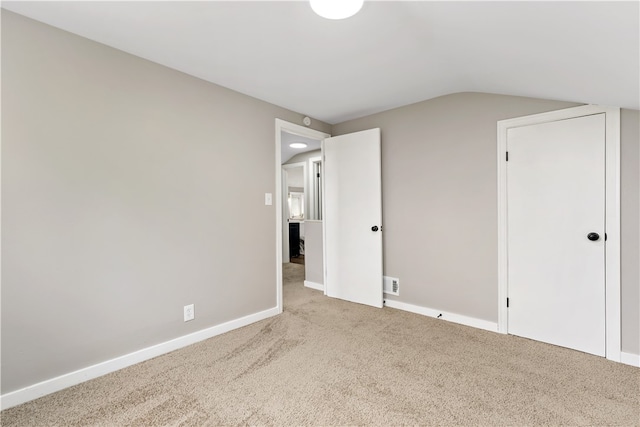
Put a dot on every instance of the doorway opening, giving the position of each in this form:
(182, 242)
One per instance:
(298, 200)
(351, 204)
(295, 195)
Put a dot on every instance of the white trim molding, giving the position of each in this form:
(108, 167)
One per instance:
(312, 190)
(284, 126)
(43, 388)
(314, 285)
(443, 315)
(630, 359)
(612, 215)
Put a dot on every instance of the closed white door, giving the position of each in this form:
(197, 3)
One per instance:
(353, 217)
(556, 235)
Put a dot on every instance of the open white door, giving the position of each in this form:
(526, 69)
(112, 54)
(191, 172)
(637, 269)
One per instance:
(353, 217)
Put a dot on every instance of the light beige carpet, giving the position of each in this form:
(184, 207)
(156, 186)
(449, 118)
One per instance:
(329, 362)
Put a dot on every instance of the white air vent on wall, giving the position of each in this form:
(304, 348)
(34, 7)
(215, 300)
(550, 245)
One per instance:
(391, 285)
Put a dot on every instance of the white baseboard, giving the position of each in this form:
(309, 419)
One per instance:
(630, 359)
(451, 317)
(314, 285)
(52, 385)
(626, 358)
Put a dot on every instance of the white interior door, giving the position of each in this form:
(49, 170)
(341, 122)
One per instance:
(353, 217)
(555, 200)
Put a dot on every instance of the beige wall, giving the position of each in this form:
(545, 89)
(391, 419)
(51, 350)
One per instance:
(313, 252)
(121, 192)
(630, 227)
(439, 189)
(122, 201)
(304, 157)
(295, 177)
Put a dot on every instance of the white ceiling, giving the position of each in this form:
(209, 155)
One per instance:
(289, 138)
(390, 54)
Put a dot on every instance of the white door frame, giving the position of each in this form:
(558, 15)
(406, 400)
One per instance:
(313, 194)
(612, 215)
(285, 183)
(288, 127)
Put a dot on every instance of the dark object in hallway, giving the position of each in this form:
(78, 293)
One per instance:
(294, 239)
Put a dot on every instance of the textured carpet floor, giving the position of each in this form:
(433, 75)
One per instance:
(329, 362)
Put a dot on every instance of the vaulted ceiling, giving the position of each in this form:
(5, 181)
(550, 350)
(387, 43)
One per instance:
(391, 54)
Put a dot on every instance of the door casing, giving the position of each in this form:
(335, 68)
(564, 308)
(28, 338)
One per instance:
(612, 215)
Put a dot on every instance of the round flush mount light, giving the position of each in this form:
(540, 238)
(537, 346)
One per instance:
(298, 145)
(336, 9)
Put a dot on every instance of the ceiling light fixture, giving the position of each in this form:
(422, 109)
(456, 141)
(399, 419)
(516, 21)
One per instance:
(336, 9)
(298, 145)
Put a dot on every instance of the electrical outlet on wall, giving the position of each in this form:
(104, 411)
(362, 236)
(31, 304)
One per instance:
(189, 312)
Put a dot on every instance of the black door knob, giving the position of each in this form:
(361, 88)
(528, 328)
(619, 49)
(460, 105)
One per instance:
(374, 228)
(593, 236)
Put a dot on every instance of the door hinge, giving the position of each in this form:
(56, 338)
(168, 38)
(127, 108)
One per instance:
(507, 156)
(507, 302)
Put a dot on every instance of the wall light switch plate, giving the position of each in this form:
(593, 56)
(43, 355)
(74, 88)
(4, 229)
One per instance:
(268, 199)
(189, 312)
